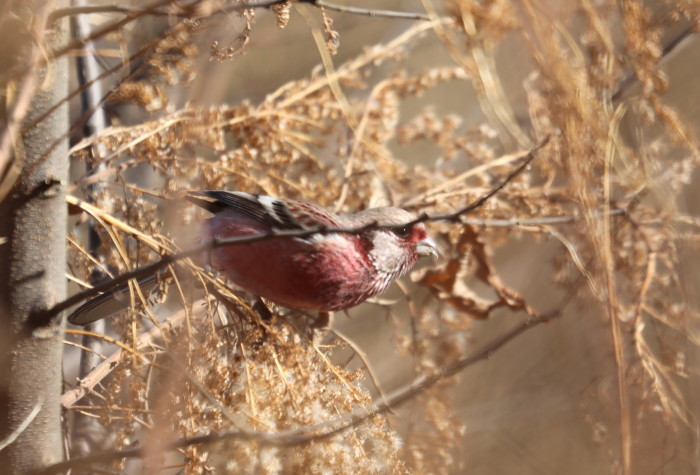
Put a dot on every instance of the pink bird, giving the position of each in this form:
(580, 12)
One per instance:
(321, 272)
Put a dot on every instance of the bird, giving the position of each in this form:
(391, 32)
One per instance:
(322, 271)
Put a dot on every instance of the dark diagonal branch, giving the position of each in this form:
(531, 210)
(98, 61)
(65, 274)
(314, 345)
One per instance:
(216, 243)
(457, 215)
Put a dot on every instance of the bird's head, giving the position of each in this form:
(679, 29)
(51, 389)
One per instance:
(394, 250)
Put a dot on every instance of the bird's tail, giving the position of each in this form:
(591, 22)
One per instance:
(107, 304)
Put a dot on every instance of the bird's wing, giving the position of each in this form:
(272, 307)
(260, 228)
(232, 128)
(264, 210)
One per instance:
(273, 212)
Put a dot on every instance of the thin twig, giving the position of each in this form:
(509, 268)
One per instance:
(102, 370)
(114, 8)
(23, 426)
(167, 260)
(190, 9)
(11, 160)
(87, 69)
(612, 301)
(531, 222)
(363, 357)
(631, 77)
(368, 11)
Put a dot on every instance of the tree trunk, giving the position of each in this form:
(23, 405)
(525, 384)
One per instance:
(33, 257)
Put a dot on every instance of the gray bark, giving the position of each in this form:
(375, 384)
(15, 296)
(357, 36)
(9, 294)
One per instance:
(33, 260)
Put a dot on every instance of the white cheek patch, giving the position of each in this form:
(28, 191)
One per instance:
(386, 254)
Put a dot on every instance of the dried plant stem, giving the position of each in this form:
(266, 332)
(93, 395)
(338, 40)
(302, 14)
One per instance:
(145, 340)
(358, 138)
(326, 429)
(9, 439)
(151, 269)
(363, 357)
(95, 120)
(185, 10)
(494, 96)
(11, 155)
(613, 305)
(500, 161)
(371, 12)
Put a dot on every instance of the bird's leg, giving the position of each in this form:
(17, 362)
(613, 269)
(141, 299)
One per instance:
(321, 326)
(208, 266)
(262, 310)
(263, 324)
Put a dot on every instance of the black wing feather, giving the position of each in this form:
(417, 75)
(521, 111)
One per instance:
(216, 201)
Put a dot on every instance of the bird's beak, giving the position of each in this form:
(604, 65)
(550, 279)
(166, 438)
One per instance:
(427, 247)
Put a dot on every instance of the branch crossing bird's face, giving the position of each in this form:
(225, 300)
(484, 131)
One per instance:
(393, 251)
(324, 271)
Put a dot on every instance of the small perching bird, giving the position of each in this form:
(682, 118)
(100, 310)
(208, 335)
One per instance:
(322, 272)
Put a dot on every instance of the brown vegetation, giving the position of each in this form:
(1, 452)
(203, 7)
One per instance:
(597, 239)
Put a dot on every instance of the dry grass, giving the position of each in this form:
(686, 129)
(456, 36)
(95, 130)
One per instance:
(428, 115)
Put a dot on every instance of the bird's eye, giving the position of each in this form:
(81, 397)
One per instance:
(402, 232)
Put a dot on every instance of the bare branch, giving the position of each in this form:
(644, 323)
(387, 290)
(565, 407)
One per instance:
(368, 11)
(23, 426)
(165, 261)
(100, 372)
(189, 10)
(92, 9)
(531, 222)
